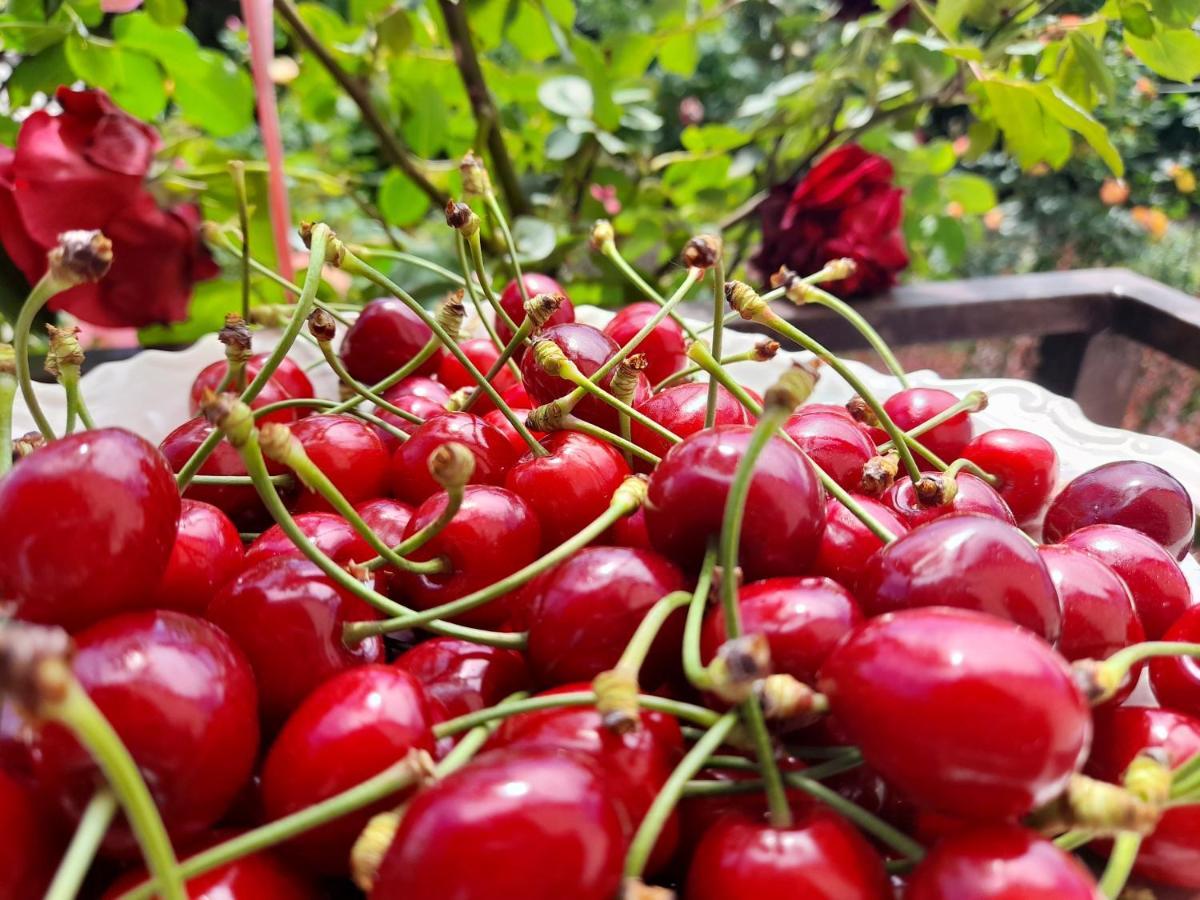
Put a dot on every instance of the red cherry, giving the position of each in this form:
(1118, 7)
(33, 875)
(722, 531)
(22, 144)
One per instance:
(665, 348)
(349, 452)
(835, 443)
(385, 336)
(517, 396)
(181, 697)
(419, 386)
(1135, 494)
(785, 507)
(1159, 589)
(699, 813)
(332, 534)
(535, 283)
(207, 553)
(273, 391)
(289, 374)
(16, 735)
(583, 612)
(846, 544)
(498, 421)
(974, 496)
(471, 834)
(460, 677)
(1098, 614)
(421, 407)
(966, 714)
(483, 353)
(912, 406)
(1176, 679)
(999, 862)
(629, 531)
(680, 409)
(353, 726)
(388, 519)
(1025, 463)
(287, 616)
(493, 534)
(820, 409)
(970, 562)
(819, 856)
(570, 487)
(31, 848)
(86, 527)
(411, 480)
(258, 876)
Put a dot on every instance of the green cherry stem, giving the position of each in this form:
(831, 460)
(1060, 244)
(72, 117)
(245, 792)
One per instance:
(520, 336)
(361, 390)
(572, 423)
(240, 480)
(972, 401)
(608, 249)
(695, 670)
(42, 292)
(684, 374)
(8, 393)
(400, 256)
(718, 336)
(1113, 671)
(237, 172)
(473, 288)
(1074, 839)
(1120, 863)
(965, 465)
(472, 742)
(485, 283)
(93, 825)
(754, 786)
(493, 205)
(332, 408)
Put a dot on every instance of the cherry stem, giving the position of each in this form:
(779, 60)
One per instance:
(48, 285)
(1185, 780)
(754, 786)
(972, 401)
(683, 374)
(400, 256)
(1074, 839)
(634, 655)
(695, 670)
(613, 255)
(718, 336)
(621, 442)
(727, 319)
(485, 283)
(8, 393)
(331, 408)
(470, 283)
(472, 742)
(93, 825)
(217, 239)
(570, 372)
(1120, 863)
(868, 822)
(1118, 666)
(653, 322)
(814, 294)
(335, 363)
(237, 173)
(493, 205)
(966, 465)
(241, 480)
(516, 342)
(846, 756)
(431, 347)
(454, 499)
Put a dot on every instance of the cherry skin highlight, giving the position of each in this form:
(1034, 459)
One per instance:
(910, 407)
(331, 534)
(273, 391)
(385, 336)
(1025, 463)
(460, 677)
(665, 347)
(834, 443)
(974, 496)
(350, 454)
(1176, 679)
(511, 303)
(680, 409)
(207, 553)
(846, 544)
(389, 520)
(411, 481)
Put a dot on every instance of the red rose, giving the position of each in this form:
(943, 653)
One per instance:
(846, 206)
(85, 169)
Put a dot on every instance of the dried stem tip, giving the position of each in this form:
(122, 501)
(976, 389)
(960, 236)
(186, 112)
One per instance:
(34, 664)
(631, 492)
(744, 300)
(462, 218)
(861, 411)
(786, 698)
(1096, 806)
(738, 664)
(228, 413)
(279, 444)
(765, 350)
(550, 357)
(322, 326)
(794, 386)
(64, 350)
(80, 257)
(547, 417)
(475, 178)
(540, 307)
(602, 234)
(8, 359)
(451, 465)
(837, 269)
(795, 288)
(28, 443)
(617, 700)
(935, 490)
(451, 314)
(625, 379)
(702, 251)
(235, 335)
(879, 474)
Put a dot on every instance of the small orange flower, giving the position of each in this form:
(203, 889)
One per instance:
(1184, 178)
(1145, 87)
(1114, 192)
(954, 209)
(993, 219)
(1154, 221)
(961, 145)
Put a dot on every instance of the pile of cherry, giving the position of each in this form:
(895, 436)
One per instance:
(927, 733)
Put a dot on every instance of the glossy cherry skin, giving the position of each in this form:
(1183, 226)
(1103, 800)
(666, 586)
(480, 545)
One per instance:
(497, 810)
(846, 544)
(287, 617)
(353, 726)
(535, 283)
(974, 496)
(1098, 614)
(665, 348)
(498, 421)
(385, 336)
(419, 386)
(493, 534)
(389, 520)
(999, 862)
(680, 409)
(1025, 463)
(332, 535)
(411, 481)
(809, 409)
(1171, 855)
(971, 562)
(966, 714)
(461, 677)
(483, 353)
(1176, 679)
(630, 531)
(910, 407)
(1135, 494)
(31, 847)
(207, 553)
(785, 506)
(349, 452)
(86, 527)
(834, 443)
(820, 856)
(416, 394)
(570, 487)
(582, 613)
(181, 696)
(272, 392)
(259, 876)
(1160, 591)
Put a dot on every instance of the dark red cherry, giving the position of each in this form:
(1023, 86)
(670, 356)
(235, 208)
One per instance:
(971, 562)
(419, 386)
(207, 553)
(665, 348)
(834, 443)
(349, 452)
(332, 534)
(388, 519)
(698, 813)
(630, 531)
(964, 713)
(1025, 463)
(471, 834)
(570, 487)
(259, 876)
(912, 406)
(1135, 494)
(583, 612)
(419, 406)
(785, 506)
(535, 283)
(809, 409)
(1098, 614)
(181, 696)
(31, 848)
(498, 421)
(483, 353)
(289, 374)
(385, 336)
(353, 726)
(999, 862)
(16, 735)
(272, 392)
(1176, 679)
(846, 544)
(460, 677)
(411, 481)
(287, 617)
(86, 527)
(819, 856)
(680, 409)
(1159, 589)
(493, 534)
(974, 496)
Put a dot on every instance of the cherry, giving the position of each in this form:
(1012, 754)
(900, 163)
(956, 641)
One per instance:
(420, 407)
(1159, 589)
(583, 612)
(819, 856)
(207, 553)
(999, 862)
(86, 527)
(483, 353)
(493, 534)
(1176, 679)
(498, 421)
(16, 734)
(388, 519)
(385, 336)
(1135, 494)
(349, 452)
(332, 534)
(1025, 463)
(517, 396)
(353, 726)
(419, 386)
(630, 531)
(974, 496)
(680, 409)
(411, 480)
(287, 615)
(847, 544)
(273, 391)
(965, 713)
(460, 677)
(665, 347)
(809, 409)
(31, 847)
(288, 373)
(834, 443)
(785, 506)
(181, 697)
(472, 833)
(912, 406)
(259, 876)
(570, 487)
(535, 283)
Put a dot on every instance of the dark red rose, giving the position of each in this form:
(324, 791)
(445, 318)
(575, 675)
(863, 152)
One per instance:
(85, 168)
(846, 206)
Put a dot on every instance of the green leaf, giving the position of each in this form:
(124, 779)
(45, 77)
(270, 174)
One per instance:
(1085, 56)
(700, 138)
(170, 46)
(639, 118)
(567, 95)
(167, 12)
(1176, 13)
(983, 137)
(51, 7)
(424, 122)
(42, 72)
(1174, 53)
(1137, 19)
(213, 93)
(591, 60)
(562, 143)
(530, 33)
(562, 11)
(1030, 135)
(395, 30)
(132, 79)
(535, 238)
(1070, 114)
(400, 200)
(974, 192)
(949, 14)
(632, 56)
(680, 54)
